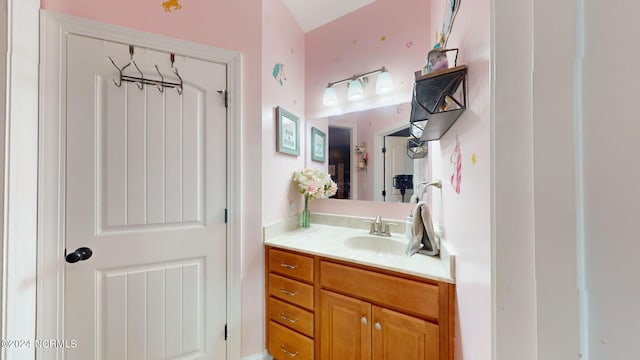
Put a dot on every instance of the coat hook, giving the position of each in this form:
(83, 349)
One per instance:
(160, 88)
(119, 82)
(179, 88)
(172, 57)
(140, 84)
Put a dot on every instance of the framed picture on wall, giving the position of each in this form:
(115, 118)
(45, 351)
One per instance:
(318, 145)
(288, 132)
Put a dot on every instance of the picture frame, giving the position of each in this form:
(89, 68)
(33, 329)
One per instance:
(288, 128)
(318, 146)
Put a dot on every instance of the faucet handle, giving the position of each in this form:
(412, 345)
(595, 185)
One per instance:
(372, 229)
(387, 231)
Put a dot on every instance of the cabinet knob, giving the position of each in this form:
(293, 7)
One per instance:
(363, 320)
(378, 326)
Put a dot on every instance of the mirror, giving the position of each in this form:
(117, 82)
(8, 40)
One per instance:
(356, 160)
(393, 34)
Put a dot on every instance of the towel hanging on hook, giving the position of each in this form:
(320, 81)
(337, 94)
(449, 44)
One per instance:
(140, 81)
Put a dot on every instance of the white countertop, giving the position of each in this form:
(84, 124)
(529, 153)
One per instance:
(329, 241)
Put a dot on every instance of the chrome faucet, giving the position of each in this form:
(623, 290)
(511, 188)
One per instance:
(378, 227)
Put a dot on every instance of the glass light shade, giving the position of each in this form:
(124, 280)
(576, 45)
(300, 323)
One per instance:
(329, 98)
(384, 84)
(355, 91)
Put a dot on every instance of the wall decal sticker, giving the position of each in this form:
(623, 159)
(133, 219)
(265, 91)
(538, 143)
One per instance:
(409, 44)
(474, 158)
(383, 38)
(278, 73)
(175, 4)
(456, 160)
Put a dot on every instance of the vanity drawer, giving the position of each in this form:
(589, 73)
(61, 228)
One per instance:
(413, 296)
(286, 344)
(290, 264)
(291, 316)
(292, 291)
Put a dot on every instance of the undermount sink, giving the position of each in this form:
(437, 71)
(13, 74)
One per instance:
(376, 244)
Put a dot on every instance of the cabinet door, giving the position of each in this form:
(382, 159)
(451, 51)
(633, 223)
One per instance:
(401, 337)
(345, 328)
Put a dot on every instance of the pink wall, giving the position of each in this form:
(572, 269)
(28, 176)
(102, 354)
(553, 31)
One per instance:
(283, 43)
(223, 24)
(387, 32)
(466, 217)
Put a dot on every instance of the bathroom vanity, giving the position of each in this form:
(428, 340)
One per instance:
(335, 292)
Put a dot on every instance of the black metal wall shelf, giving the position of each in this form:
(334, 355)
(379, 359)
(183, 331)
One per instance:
(438, 101)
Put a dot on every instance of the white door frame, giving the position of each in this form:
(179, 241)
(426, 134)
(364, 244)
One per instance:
(20, 177)
(53, 31)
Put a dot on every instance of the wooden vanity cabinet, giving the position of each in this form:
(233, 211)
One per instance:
(290, 305)
(361, 313)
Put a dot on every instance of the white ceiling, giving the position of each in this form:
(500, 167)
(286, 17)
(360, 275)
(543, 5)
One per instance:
(311, 14)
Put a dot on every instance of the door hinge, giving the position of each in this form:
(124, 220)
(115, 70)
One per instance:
(226, 215)
(226, 334)
(225, 93)
(384, 149)
(384, 193)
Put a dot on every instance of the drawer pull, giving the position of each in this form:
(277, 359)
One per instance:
(285, 265)
(287, 292)
(284, 316)
(284, 350)
(378, 326)
(363, 320)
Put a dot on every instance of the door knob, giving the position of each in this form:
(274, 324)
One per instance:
(80, 254)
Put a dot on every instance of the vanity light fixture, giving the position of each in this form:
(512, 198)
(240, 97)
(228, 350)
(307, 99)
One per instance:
(355, 90)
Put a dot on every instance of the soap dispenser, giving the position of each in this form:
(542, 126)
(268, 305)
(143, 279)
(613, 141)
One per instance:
(408, 226)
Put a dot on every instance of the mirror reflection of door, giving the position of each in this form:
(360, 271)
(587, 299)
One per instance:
(339, 146)
(398, 168)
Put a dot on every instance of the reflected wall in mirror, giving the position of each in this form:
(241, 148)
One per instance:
(357, 162)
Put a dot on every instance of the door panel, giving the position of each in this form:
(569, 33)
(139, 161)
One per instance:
(398, 336)
(345, 330)
(150, 167)
(146, 191)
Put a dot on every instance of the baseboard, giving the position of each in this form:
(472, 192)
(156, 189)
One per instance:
(263, 356)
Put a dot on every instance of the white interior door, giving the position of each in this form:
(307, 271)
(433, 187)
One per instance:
(145, 182)
(396, 163)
